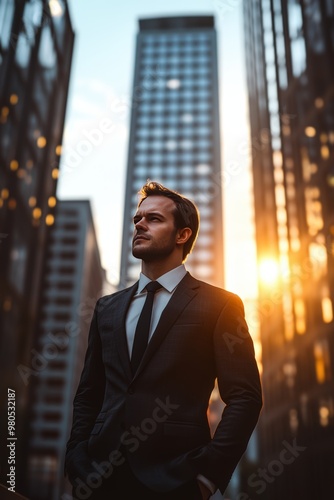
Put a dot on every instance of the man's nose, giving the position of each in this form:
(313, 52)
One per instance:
(140, 224)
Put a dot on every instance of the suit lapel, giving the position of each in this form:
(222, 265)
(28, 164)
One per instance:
(186, 290)
(122, 306)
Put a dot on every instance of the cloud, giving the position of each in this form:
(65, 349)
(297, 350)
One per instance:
(85, 106)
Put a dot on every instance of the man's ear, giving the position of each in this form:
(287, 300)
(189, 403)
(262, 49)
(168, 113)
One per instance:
(183, 235)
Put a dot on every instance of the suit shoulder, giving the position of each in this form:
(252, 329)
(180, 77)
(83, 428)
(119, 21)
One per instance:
(220, 293)
(112, 297)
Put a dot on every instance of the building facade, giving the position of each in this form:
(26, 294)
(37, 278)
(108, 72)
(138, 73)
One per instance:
(289, 51)
(73, 280)
(36, 43)
(174, 133)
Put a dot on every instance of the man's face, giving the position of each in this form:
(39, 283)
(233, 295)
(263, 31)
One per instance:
(154, 236)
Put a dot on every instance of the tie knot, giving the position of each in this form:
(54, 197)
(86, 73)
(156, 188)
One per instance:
(153, 286)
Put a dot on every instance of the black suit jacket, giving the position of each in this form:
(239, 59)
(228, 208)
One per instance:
(158, 416)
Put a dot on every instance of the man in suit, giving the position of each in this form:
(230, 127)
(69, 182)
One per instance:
(140, 427)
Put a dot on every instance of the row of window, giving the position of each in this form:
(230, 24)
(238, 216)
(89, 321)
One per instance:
(176, 48)
(172, 90)
(181, 48)
(57, 316)
(164, 120)
(175, 107)
(67, 240)
(161, 82)
(150, 82)
(181, 71)
(183, 169)
(182, 94)
(198, 101)
(183, 132)
(64, 254)
(175, 39)
(172, 145)
(174, 157)
(61, 270)
(181, 59)
(61, 285)
(58, 300)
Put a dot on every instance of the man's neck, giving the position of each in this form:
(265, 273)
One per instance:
(154, 270)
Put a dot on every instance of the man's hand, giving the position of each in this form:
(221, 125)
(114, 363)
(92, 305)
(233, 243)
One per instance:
(206, 493)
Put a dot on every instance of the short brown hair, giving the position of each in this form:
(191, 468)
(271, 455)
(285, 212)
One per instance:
(185, 214)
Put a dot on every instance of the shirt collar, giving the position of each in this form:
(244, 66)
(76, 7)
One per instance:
(168, 280)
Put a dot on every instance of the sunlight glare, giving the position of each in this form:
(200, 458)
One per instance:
(268, 271)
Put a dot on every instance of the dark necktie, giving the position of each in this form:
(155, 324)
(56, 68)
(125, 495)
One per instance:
(143, 326)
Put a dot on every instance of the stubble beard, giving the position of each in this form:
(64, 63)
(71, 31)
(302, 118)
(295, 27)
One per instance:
(154, 253)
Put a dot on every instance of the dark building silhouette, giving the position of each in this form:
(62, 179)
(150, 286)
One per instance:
(174, 132)
(73, 280)
(290, 53)
(36, 43)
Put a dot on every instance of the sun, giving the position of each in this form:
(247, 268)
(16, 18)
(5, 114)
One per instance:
(268, 271)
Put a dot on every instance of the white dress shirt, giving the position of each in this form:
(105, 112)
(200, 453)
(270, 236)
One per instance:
(169, 282)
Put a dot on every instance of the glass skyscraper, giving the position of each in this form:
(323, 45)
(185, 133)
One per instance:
(73, 279)
(36, 44)
(290, 53)
(174, 135)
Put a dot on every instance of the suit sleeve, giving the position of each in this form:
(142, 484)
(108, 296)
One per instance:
(86, 406)
(240, 389)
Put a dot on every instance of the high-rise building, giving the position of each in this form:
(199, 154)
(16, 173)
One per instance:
(174, 134)
(73, 280)
(36, 43)
(290, 51)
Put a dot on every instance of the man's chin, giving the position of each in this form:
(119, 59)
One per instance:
(138, 253)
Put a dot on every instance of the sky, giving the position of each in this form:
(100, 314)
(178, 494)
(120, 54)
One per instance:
(98, 117)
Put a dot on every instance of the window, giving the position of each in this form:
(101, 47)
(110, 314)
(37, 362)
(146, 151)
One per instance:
(202, 118)
(141, 172)
(203, 169)
(53, 398)
(66, 270)
(322, 361)
(55, 382)
(65, 286)
(23, 50)
(61, 316)
(63, 301)
(18, 258)
(68, 255)
(203, 157)
(203, 271)
(69, 241)
(6, 19)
